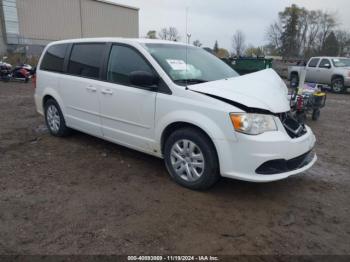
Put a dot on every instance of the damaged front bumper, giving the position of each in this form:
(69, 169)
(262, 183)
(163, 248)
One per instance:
(267, 157)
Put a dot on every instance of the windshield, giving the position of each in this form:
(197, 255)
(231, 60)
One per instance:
(341, 62)
(201, 66)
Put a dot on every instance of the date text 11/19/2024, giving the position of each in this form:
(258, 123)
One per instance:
(173, 258)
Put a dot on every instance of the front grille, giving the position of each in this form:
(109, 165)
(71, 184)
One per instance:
(277, 166)
(291, 125)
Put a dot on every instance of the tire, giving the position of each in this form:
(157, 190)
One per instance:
(294, 80)
(338, 85)
(316, 114)
(198, 168)
(54, 119)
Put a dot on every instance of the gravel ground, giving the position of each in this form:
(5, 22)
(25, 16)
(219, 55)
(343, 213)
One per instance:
(82, 195)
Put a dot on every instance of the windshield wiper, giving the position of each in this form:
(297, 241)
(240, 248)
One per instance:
(190, 81)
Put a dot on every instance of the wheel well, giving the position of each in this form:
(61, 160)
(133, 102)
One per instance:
(46, 98)
(337, 76)
(177, 125)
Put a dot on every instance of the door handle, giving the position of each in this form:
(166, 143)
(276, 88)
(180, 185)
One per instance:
(107, 91)
(91, 88)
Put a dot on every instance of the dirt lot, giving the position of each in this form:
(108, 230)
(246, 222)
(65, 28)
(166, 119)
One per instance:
(82, 195)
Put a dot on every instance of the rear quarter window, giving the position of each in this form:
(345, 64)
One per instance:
(53, 59)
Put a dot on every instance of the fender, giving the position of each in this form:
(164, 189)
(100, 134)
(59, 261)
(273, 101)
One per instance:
(194, 118)
(52, 92)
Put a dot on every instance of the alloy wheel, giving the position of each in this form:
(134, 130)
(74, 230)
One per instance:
(53, 118)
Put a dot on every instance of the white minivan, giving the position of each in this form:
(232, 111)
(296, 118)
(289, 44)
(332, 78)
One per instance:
(176, 102)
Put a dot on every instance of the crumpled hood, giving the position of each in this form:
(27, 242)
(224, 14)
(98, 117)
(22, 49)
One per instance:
(263, 90)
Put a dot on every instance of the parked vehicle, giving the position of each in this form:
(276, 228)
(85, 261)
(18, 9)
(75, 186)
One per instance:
(247, 65)
(21, 73)
(333, 71)
(5, 70)
(176, 102)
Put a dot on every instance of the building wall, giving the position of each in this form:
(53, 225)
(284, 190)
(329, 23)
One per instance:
(48, 19)
(42, 21)
(3, 45)
(103, 19)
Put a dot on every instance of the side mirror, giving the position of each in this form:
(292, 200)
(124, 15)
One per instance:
(143, 79)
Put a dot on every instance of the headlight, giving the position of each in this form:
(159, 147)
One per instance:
(253, 124)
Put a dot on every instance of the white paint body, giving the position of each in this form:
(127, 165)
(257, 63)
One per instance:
(136, 118)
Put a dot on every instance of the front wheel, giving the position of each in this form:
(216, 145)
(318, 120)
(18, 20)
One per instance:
(191, 159)
(338, 85)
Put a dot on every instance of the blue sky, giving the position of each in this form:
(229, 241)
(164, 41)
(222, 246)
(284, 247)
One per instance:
(210, 20)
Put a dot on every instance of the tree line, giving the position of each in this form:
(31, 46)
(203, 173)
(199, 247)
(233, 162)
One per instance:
(172, 34)
(297, 33)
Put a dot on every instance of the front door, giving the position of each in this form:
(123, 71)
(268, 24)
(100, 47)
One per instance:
(311, 70)
(127, 111)
(325, 71)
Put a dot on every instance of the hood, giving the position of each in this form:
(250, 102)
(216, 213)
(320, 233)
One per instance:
(263, 90)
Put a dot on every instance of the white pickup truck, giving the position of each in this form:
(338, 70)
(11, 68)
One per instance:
(333, 71)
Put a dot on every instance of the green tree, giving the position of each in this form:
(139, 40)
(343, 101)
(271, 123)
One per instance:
(197, 43)
(331, 45)
(299, 32)
(289, 37)
(216, 47)
(152, 34)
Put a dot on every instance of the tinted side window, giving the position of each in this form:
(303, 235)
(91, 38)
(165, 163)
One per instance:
(85, 60)
(122, 61)
(54, 58)
(324, 62)
(313, 62)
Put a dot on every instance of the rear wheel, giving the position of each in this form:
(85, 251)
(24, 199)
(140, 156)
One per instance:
(191, 159)
(54, 119)
(338, 85)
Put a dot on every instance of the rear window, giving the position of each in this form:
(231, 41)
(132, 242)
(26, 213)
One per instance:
(85, 60)
(313, 62)
(54, 58)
